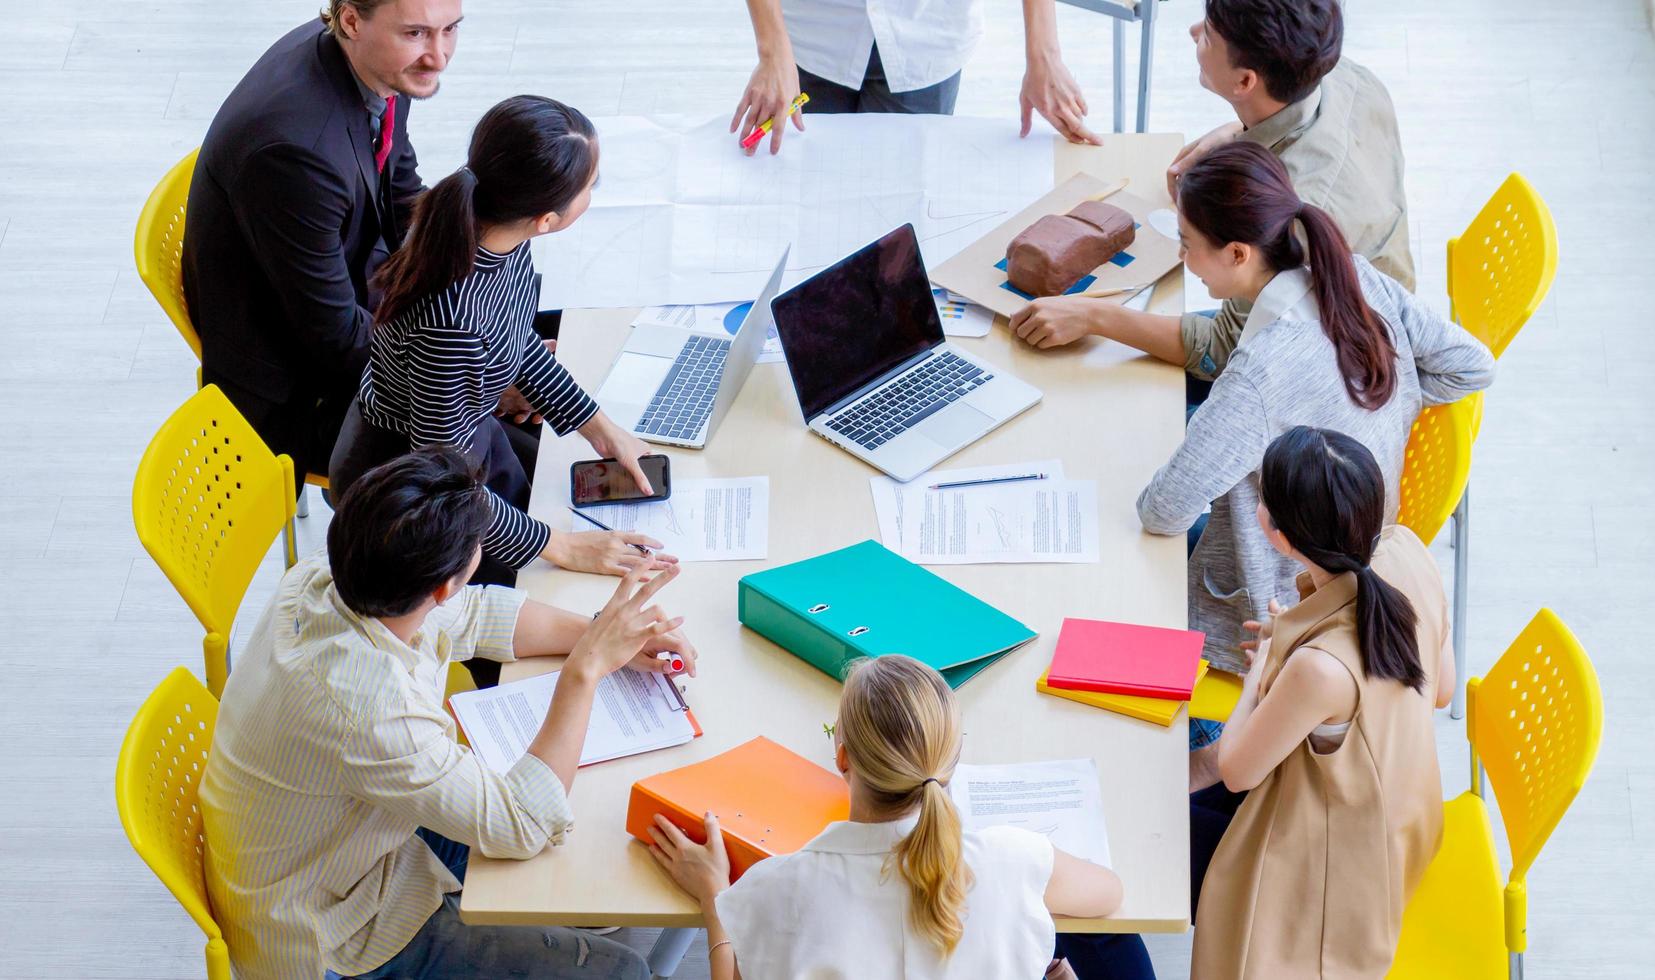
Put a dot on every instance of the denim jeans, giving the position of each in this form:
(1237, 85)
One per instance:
(445, 947)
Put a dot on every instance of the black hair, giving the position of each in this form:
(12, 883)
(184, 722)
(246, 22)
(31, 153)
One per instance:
(404, 528)
(529, 156)
(1326, 495)
(1291, 44)
(1241, 192)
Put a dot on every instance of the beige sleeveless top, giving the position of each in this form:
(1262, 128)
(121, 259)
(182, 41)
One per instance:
(1311, 878)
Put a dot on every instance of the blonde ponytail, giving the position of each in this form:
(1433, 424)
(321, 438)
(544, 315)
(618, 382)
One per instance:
(900, 726)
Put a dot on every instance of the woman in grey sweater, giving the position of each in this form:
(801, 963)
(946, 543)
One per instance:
(1331, 342)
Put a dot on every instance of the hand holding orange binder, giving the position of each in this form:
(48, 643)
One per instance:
(768, 801)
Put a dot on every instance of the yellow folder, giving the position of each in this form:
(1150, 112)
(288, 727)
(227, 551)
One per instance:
(1159, 710)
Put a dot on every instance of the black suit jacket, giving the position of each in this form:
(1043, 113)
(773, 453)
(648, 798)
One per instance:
(287, 222)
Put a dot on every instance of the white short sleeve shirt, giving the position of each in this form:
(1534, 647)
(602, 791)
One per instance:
(829, 912)
(921, 42)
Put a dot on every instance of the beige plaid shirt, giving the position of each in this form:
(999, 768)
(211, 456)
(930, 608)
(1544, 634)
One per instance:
(1341, 147)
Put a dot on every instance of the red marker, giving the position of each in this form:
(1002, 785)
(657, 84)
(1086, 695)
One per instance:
(674, 662)
(751, 140)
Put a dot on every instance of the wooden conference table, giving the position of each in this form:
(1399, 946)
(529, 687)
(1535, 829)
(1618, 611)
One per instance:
(1110, 415)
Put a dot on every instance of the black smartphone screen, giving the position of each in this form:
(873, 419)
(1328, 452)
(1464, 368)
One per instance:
(601, 480)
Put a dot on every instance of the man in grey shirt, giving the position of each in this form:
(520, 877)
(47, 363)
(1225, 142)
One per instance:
(1329, 120)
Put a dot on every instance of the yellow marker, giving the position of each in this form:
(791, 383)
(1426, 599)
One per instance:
(765, 127)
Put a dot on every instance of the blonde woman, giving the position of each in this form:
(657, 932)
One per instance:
(898, 890)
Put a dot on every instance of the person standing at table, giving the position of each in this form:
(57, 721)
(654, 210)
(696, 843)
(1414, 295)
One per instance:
(893, 56)
(338, 809)
(1333, 741)
(302, 189)
(1330, 121)
(1331, 342)
(455, 329)
(899, 889)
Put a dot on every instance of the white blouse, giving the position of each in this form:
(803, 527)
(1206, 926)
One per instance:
(921, 42)
(828, 912)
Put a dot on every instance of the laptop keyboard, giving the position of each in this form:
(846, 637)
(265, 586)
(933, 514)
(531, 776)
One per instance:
(685, 399)
(909, 400)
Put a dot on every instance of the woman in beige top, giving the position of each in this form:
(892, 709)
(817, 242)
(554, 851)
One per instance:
(1332, 740)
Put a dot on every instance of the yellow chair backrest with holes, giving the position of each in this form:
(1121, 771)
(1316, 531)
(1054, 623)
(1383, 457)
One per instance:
(158, 246)
(208, 500)
(157, 793)
(1437, 464)
(1534, 722)
(1502, 265)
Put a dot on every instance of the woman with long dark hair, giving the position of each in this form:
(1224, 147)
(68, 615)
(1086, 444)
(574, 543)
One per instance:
(455, 329)
(1330, 342)
(1333, 740)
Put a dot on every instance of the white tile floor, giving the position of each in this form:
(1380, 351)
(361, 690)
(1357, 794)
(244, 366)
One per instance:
(99, 97)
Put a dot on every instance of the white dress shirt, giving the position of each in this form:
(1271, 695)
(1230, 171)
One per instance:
(921, 42)
(830, 912)
(332, 747)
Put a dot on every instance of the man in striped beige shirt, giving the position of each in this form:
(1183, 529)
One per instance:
(339, 809)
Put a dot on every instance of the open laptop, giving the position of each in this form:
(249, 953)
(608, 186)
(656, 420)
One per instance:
(673, 386)
(870, 367)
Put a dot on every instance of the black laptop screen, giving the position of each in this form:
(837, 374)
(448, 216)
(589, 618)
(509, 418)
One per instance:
(857, 319)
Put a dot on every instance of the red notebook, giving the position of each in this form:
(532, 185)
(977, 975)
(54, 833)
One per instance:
(1120, 658)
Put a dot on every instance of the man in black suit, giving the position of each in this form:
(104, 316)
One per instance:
(303, 187)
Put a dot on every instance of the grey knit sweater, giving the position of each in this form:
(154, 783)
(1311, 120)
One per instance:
(1281, 375)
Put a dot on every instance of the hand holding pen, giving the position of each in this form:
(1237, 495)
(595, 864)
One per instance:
(615, 547)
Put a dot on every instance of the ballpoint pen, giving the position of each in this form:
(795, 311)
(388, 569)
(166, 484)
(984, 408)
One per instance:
(988, 479)
(603, 527)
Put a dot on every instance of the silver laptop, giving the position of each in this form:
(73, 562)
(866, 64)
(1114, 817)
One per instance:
(870, 367)
(673, 387)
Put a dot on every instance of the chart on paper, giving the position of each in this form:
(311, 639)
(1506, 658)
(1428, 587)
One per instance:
(682, 216)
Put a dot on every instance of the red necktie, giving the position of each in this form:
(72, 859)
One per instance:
(387, 128)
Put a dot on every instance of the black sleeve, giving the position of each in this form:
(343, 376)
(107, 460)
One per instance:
(292, 208)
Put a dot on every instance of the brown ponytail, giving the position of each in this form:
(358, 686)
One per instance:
(900, 726)
(1240, 192)
(529, 156)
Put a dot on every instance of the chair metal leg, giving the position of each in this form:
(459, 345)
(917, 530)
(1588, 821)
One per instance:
(1462, 591)
(1146, 55)
(1515, 966)
(1119, 37)
(669, 949)
(302, 509)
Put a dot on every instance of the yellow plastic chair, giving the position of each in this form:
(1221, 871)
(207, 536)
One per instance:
(1534, 725)
(208, 500)
(1436, 473)
(157, 793)
(158, 251)
(1501, 267)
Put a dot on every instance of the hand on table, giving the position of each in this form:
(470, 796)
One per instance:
(1050, 90)
(701, 870)
(769, 93)
(1196, 150)
(605, 552)
(1056, 321)
(613, 442)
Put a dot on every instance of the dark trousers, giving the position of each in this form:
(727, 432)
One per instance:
(304, 428)
(875, 95)
(1211, 811)
(1106, 956)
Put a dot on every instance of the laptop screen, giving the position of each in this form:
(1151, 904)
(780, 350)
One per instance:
(857, 319)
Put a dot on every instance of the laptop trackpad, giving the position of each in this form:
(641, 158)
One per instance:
(956, 425)
(634, 379)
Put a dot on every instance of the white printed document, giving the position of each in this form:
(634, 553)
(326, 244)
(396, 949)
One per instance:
(1043, 520)
(960, 316)
(703, 520)
(633, 712)
(683, 215)
(1060, 800)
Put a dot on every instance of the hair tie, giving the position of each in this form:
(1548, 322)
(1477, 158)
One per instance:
(468, 171)
(929, 779)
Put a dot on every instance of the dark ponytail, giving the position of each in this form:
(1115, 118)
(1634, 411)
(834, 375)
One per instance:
(1240, 192)
(1325, 493)
(529, 156)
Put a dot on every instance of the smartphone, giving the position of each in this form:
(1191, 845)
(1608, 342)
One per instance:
(598, 481)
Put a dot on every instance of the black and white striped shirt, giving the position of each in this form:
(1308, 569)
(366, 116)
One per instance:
(436, 372)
